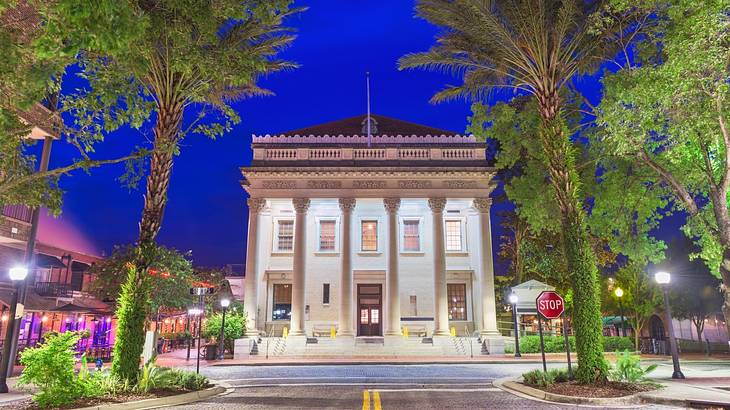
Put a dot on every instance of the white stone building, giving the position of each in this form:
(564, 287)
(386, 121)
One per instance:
(369, 234)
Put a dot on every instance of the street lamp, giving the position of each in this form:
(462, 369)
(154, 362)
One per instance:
(663, 278)
(196, 311)
(620, 292)
(513, 301)
(17, 275)
(224, 304)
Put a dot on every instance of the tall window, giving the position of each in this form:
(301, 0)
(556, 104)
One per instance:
(411, 235)
(326, 293)
(453, 236)
(457, 301)
(281, 309)
(369, 238)
(327, 235)
(285, 236)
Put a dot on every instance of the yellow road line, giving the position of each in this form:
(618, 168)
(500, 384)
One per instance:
(376, 400)
(365, 400)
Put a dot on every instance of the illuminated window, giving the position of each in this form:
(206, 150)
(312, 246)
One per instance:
(369, 238)
(327, 235)
(281, 309)
(453, 236)
(411, 235)
(457, 301)
(285, 236)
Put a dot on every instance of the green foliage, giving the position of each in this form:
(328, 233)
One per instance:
(628, 368)
(539, 378)
(172, 278)
(153, 377)
(131, 313)
(189, 380)
(235, 325)
(556, 344)
(50, 368)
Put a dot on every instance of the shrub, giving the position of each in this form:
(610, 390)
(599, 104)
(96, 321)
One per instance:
(50, 367)
(539, 378)
(617, 343)
(628, 368)
(189, 380)
(556, 344)
(153, 377)
(235, 327)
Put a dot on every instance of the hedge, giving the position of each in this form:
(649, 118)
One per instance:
(556, 344)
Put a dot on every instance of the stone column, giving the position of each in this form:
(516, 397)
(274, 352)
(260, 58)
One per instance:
(441, 304)
(301, 205)
(391, 287)
(486, 278)
(345, 318)
(255, 205)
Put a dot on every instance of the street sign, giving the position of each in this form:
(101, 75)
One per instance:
(550, 304)
(200, 291)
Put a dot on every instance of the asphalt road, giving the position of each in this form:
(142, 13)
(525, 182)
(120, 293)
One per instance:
(369, 387)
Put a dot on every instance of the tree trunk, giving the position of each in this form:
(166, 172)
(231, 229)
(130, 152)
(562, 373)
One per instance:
(168, 126)
(580, 260)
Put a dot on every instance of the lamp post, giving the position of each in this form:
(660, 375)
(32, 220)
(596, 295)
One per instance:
(619, 293)
(196, 311)
(663, 278)
(513, 301)
(221, 347)
(17, 276)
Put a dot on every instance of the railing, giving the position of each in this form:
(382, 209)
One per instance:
(458, 153)
(365, 154)
(414, 153)
(54, 289)
(325, 153)
(369, 153)
(281, 154)
(19, 212)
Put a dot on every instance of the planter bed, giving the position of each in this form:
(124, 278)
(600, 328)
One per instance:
(610, 389)
(29, 404)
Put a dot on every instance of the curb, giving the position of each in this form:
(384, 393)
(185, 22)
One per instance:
(511, 386)
(185, 398)
(382, 362)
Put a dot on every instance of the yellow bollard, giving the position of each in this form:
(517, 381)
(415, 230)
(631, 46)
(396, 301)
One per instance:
(453, 331)
(405, 331)
(285, 332)
(333, 332)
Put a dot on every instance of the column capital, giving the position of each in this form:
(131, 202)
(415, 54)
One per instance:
(347, 204)
(391, 204)
(255, 205)
(301, 205)
(483, 204)
(437, 204)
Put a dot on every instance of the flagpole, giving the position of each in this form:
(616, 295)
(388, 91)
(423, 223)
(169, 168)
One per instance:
(367, 80)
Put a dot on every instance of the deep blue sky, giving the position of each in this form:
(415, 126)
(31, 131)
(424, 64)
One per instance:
(338, 42)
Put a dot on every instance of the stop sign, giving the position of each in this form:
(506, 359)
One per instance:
(550, 304)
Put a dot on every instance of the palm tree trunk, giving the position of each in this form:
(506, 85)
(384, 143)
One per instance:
(168, 127)
(580, 260)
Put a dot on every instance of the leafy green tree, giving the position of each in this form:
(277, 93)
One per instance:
(235, 325)
(185, 57)
(31, 73)
(171, 277)
(642, 296)
(666, 120)
(536, 47)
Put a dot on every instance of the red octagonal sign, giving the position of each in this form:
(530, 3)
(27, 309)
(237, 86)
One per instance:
(550, 304)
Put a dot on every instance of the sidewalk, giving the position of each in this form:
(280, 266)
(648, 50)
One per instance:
(14, 395)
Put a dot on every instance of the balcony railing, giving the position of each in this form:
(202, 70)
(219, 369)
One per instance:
(19, 212)
(370, 154)
(54, 289)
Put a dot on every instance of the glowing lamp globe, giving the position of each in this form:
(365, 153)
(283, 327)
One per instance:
(513, 299)
(18, 273)
(662, 278)
(225, 303)
(618, 292)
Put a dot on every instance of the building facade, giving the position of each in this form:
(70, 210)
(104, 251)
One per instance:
(369, 234)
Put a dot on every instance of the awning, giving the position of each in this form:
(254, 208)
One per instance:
(47, 261)
(615, 321)
(77, 266)
(71, 308)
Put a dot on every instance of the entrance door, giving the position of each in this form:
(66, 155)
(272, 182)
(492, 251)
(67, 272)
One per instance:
(370, 310)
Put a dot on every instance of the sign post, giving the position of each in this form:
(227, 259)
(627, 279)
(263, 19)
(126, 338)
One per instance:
(551, 306)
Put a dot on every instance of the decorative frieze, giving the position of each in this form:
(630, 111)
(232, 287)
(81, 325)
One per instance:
(279, 184)
(460, 184)
(414, 184)
(324, 184)
(368, 184)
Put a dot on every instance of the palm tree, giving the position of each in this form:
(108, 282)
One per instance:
(535, 48)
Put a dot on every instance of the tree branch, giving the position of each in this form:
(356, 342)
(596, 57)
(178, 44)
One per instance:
(689, 203)
(85, 164)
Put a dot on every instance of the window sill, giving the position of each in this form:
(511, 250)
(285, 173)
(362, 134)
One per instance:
(369, 253)
(288, 253)
(412, 253)
(457, 253)
(327, 253)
